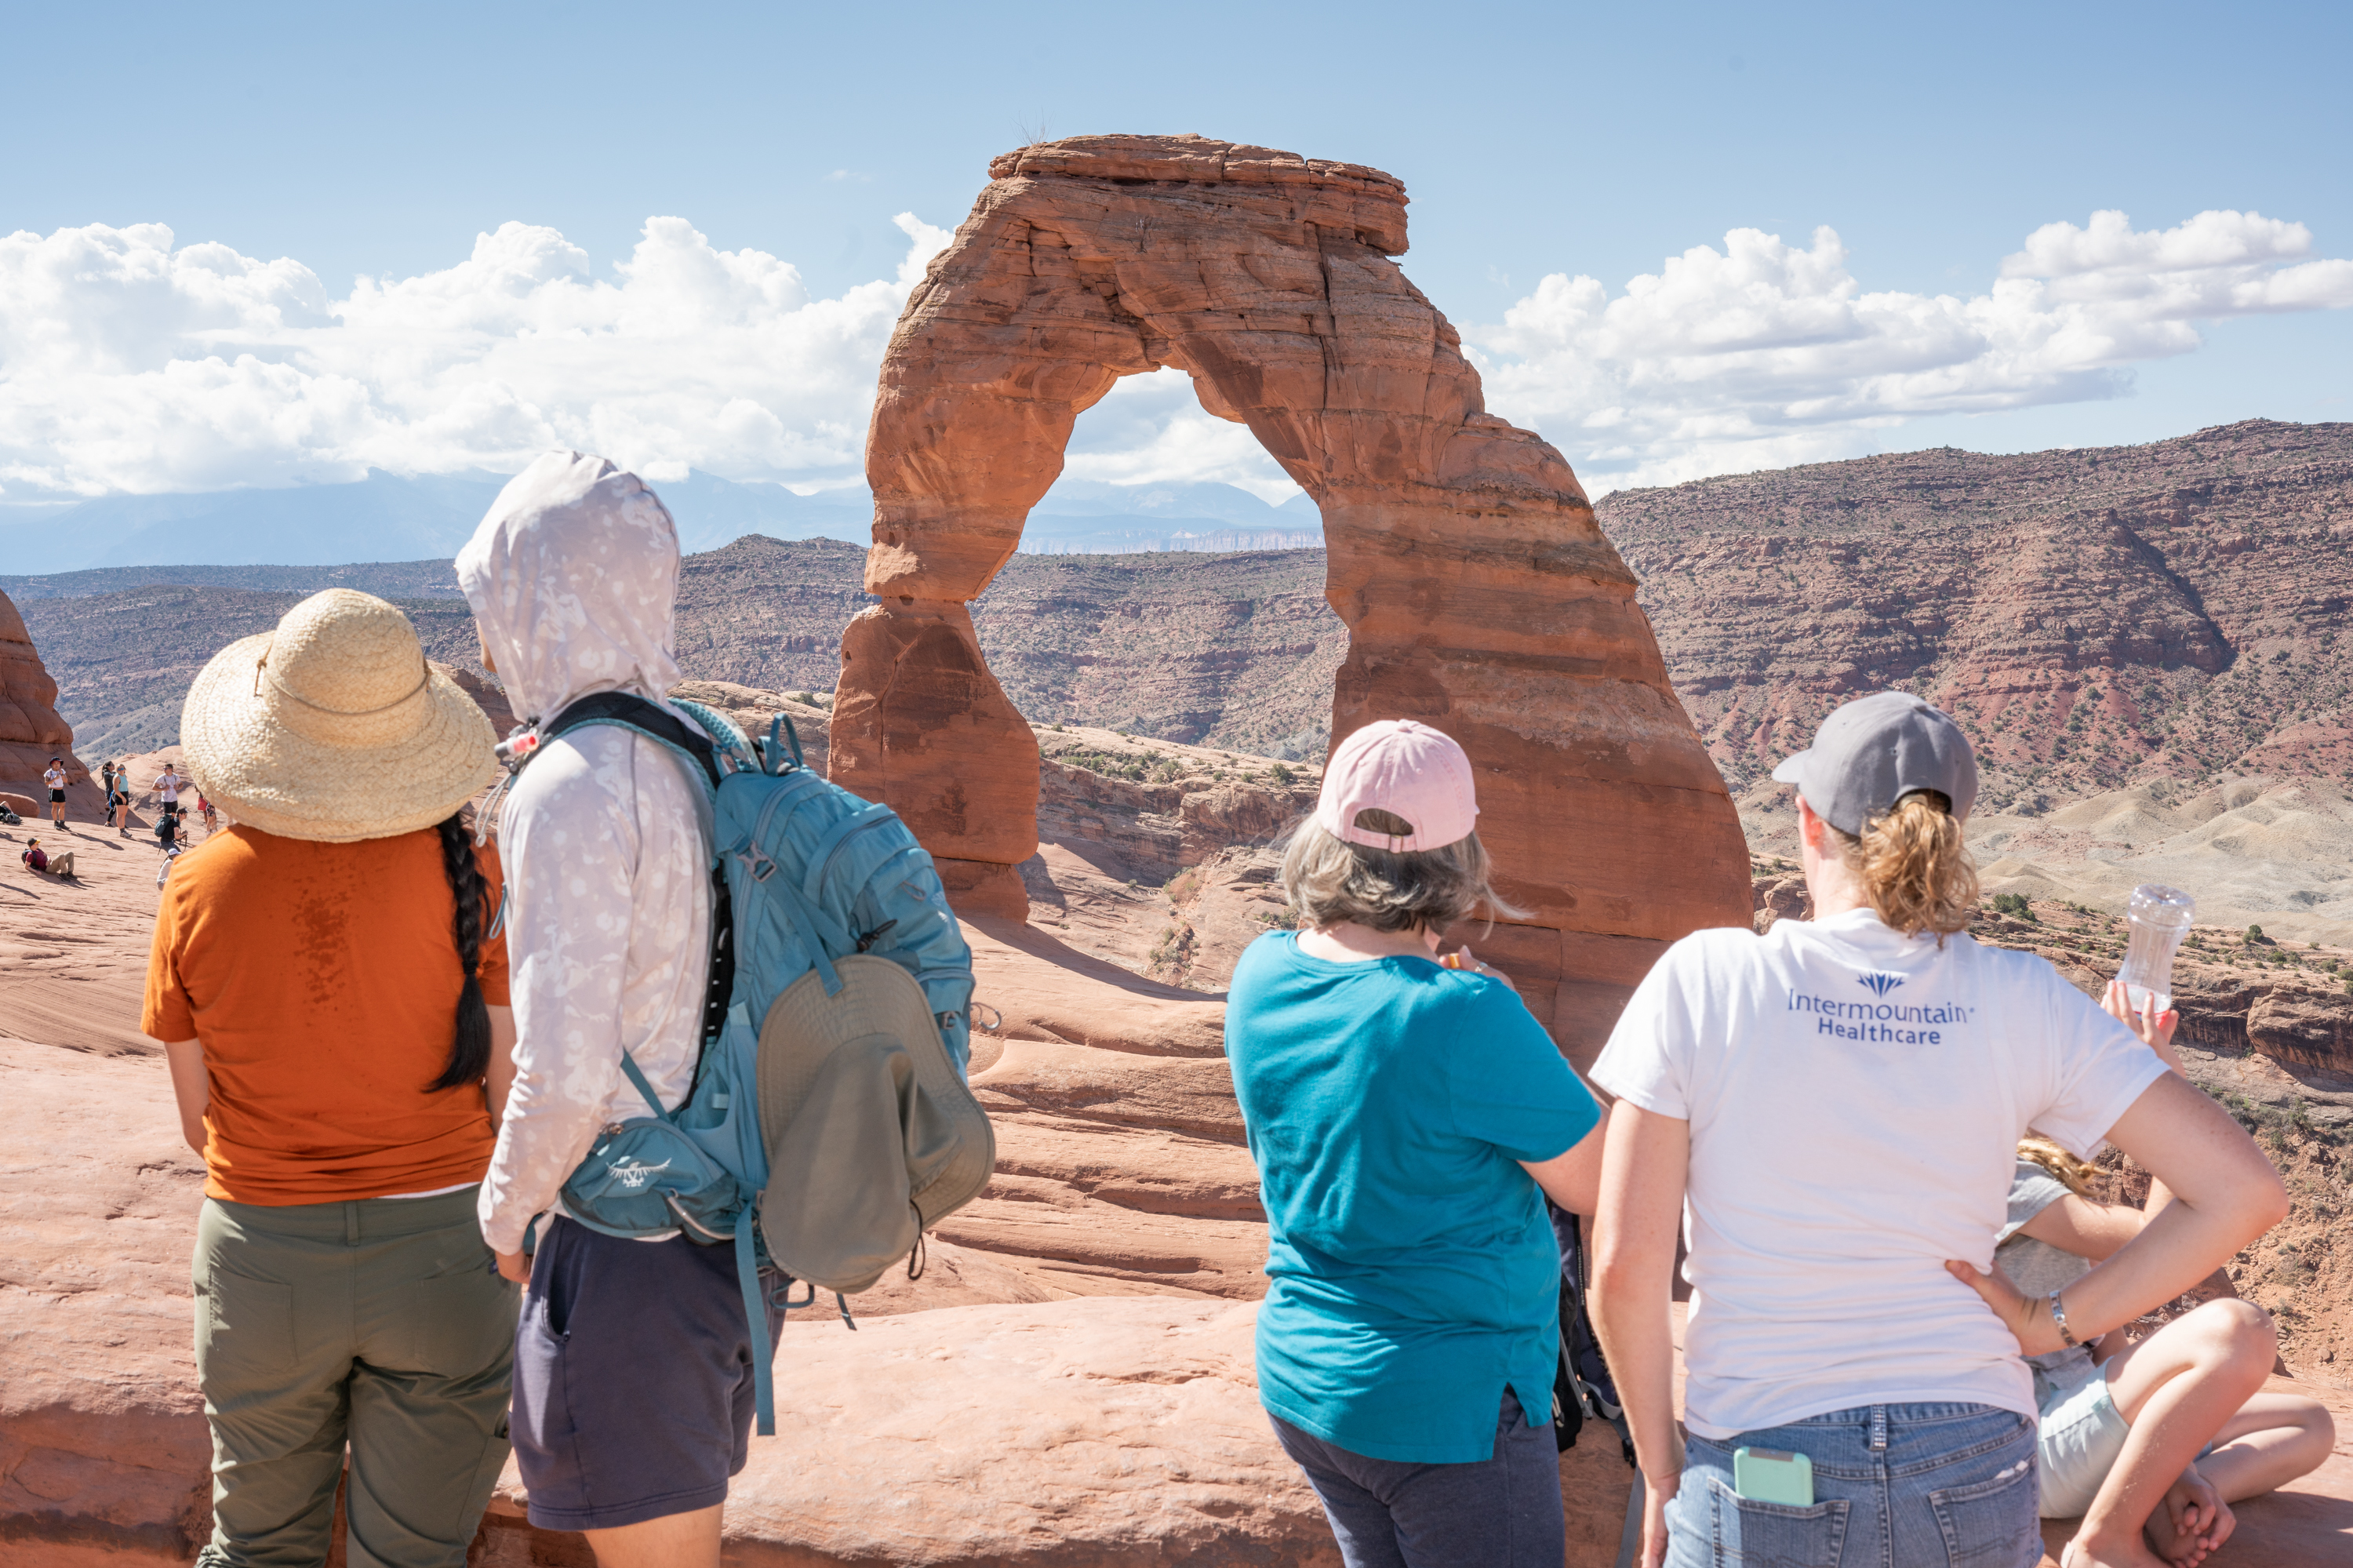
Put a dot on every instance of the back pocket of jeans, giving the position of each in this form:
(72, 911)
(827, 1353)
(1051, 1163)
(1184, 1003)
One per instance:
(1775, 1535)
(1992, 1523)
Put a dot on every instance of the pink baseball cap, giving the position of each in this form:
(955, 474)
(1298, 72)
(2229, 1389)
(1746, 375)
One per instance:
(1408, 770)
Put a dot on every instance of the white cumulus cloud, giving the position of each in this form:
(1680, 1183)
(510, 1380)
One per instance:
(129, 364)
(1764, 353)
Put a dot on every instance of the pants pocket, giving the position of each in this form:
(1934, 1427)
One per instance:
(458, 1324)
(1994, 1523)
(1776, 1535)
(245, 1333)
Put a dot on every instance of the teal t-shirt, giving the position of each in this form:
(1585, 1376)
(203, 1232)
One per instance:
(1413, 1274)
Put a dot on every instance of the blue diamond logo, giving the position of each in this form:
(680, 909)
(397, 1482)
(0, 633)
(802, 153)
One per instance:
(1880, 984)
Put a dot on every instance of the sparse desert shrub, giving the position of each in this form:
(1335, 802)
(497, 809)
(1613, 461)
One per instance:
(2013, 905)
(1281, 774)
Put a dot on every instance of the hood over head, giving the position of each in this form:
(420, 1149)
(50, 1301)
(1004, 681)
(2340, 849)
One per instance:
(572, 577)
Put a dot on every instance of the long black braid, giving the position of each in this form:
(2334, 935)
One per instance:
(469, 1052)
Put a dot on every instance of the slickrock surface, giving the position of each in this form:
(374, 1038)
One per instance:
(1094, 1433)
(1478, 593)
(2094, 617)
(1120, 1167)
(30, 730)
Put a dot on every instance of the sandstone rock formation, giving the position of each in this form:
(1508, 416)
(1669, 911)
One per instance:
(487, 694)
(30, 730)
(1478, 593)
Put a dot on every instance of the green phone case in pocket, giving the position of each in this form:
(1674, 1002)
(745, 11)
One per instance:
(1773, 1475)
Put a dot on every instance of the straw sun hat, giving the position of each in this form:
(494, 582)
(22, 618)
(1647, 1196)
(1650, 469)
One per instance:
(333, 728)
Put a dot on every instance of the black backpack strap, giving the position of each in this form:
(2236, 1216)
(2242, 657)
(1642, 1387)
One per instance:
(637, 713)
(630, 710)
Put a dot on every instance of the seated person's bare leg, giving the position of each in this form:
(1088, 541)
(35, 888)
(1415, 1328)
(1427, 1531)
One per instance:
(2274, 1438)
(673, 1540)
(2178, 1388)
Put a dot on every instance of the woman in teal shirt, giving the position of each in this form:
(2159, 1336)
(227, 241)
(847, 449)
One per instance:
(1407, 1115)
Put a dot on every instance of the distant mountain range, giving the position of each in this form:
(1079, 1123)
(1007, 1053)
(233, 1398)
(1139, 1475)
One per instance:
(1237, 650)
(398, 517)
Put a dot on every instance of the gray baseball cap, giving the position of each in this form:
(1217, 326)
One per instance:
(1877, 750)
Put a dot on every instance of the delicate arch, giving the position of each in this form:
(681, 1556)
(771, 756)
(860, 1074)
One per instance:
(1478, 593)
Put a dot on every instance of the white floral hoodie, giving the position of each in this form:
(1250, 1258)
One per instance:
(607, 843)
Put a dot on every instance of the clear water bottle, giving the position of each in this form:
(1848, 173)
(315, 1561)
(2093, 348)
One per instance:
(2159, 919)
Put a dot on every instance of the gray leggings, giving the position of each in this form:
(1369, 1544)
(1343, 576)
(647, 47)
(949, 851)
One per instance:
(1498, 1512)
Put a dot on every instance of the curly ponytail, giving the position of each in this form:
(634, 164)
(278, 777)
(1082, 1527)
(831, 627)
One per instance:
(1914, 866)
(469, 1051)
(2070, 1172)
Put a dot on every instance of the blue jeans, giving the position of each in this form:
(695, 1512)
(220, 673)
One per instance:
(1502, 1511)
(1896, 1485)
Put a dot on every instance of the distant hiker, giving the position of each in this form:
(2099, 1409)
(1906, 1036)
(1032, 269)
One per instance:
(106, 778)
(1408, 1116)
(39, 860)
(119, 805)
(167, 786)
(331, 987)
(1831, 1109)
(204, 809)
(572, 577)
(2155, 1438)
(55, 777)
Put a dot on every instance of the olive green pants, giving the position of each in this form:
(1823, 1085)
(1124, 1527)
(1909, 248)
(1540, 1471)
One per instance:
(383, 1324)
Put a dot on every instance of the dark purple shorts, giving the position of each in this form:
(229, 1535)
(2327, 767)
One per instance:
(633, 1378)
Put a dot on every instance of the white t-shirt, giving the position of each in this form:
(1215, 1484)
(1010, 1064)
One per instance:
(1855, 1099)
(170, 784)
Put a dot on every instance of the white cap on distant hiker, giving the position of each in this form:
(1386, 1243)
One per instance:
(1406, 770)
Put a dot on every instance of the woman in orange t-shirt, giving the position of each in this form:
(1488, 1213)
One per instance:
(331, 987)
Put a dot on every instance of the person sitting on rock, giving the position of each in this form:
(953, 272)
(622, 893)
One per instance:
(1407, 1115)
(39, 860)
(608, 842)
(331, 996)
(2179, 1417)
(1830, 1110)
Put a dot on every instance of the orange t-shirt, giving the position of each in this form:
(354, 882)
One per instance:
(322, 980)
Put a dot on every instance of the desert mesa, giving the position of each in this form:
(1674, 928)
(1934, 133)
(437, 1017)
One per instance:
(1071, 1380)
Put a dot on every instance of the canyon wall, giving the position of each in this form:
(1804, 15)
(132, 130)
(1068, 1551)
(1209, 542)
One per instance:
(1479, 594)
(2092, 617)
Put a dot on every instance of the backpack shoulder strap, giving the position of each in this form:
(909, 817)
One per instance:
(630, 711)
(627, 710)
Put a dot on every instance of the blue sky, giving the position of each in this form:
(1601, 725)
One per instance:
(1534, 141)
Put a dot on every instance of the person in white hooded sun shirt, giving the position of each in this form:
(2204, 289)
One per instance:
(633, 1381)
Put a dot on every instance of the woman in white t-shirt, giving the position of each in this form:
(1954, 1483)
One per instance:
(1833, 1110)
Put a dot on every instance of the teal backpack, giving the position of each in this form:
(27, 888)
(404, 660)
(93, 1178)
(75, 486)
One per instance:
(805, 873)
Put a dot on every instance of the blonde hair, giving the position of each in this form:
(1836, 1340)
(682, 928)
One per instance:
(1328, 880)
(1915, 869)
(2070, 1172)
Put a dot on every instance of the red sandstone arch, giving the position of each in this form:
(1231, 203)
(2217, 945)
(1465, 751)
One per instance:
(1478, 593)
